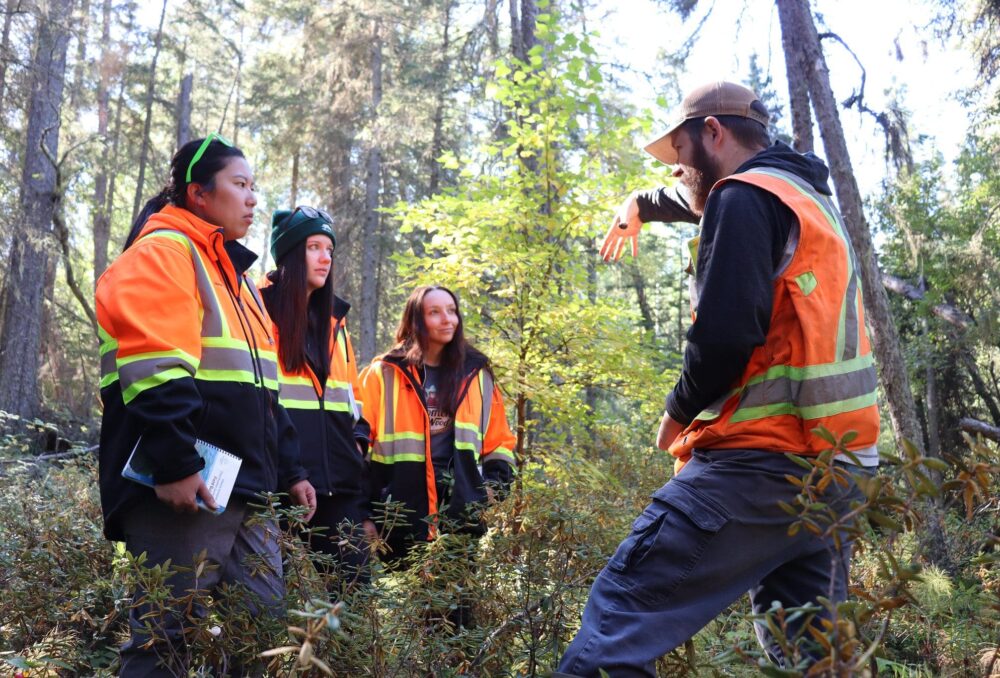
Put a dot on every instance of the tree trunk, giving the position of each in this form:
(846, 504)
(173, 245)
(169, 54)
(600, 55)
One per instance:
(492, 30)
(102, 216)
(639, 285)
(116, 141)
(885, 340)
(150, 91)
(369, 237)
(21, 339)
(239, 92)
(61, 231)
(441, 75)
(8, 16)
(529, 14)
(933, 401)
(982, 390)
(184, 110)
(516, 46)
(798, 88)
(81, 31)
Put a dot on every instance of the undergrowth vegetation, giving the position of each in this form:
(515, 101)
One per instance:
(912, 612)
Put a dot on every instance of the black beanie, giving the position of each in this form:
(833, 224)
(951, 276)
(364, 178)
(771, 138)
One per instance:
(290, 227)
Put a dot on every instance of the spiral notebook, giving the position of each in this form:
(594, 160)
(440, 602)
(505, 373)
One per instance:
(219, 474)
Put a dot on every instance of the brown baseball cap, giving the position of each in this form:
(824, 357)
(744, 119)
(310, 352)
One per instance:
(715, 98)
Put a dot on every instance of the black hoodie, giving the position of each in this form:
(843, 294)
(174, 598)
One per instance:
(743, 234)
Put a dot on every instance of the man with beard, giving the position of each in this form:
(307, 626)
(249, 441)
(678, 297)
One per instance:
(777, 349)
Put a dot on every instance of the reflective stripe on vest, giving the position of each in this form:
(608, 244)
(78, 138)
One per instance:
(223, 358)
(300, 391)
(392, 446)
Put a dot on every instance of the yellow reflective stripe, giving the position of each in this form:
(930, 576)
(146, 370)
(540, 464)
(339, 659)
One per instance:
(297, 380)
(152, 381)
(224, 342)
(501, 453)
(397, 457)
(238, 376)
(293, 404)
(184, 356)
(814, 371)
(212, 317)
(468, 437)
(811, 412)
(856, 372)
(393, 437)
(398, 450)
(109, 357)
(108, 342)
(139, 372)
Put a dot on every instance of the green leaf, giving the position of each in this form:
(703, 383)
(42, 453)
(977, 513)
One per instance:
(936, 464)
(884, 521)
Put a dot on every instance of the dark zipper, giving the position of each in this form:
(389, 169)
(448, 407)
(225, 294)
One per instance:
(251, 343)
(323, 422)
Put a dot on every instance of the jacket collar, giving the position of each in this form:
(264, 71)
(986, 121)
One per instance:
(473, 363)
(233, 258)
(175, 218)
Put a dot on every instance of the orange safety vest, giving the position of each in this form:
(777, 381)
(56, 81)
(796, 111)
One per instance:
(815, 367)
(401, 426)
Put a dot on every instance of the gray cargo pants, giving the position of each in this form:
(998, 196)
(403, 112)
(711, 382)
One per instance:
(152, 527)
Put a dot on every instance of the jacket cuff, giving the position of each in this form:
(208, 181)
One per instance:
(295, 476)
(675, 412)
(185, 466)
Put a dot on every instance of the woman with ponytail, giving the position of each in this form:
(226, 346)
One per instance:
(320, 388)
(188, 356)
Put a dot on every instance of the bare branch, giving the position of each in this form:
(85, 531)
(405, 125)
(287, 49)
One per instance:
(896, 144)
(971, 425)
(62, 232)
(946, 312)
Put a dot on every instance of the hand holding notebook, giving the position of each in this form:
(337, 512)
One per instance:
(217, 477)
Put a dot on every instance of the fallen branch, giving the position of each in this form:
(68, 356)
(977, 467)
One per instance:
(76, 451)
(971, 425)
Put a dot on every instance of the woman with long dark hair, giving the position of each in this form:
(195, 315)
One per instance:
(187, 358)
(319, 386)
(437, 418)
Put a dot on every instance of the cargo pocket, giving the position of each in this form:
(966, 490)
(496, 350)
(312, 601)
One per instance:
(635, 547)
(667, 541)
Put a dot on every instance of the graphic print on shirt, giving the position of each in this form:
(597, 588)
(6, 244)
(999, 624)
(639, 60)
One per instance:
(440, 421)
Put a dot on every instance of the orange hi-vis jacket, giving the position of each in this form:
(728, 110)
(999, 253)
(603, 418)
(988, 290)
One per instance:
(815, 367)
(328, 415)
(187, 352)
(401, 440)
